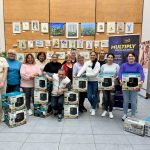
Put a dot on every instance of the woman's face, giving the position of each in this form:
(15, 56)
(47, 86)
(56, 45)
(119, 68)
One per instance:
(55, 58)
(41, 58)
(131, 58)
(12, 56)
(68, 60)
(110, 59)
(81, 60)
(73, 54)
(30, 59)
(93, 56)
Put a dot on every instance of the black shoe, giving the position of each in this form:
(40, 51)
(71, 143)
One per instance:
(84, 109)
(59, 117)
(56, 113)
(80, 110)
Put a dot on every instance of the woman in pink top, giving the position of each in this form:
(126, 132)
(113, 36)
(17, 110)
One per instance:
(29, 70)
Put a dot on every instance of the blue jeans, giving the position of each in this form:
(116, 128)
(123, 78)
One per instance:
(13, 88)
(130, 96)
(92, 93)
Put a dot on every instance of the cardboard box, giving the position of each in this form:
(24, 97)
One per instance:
(13, 101)
(71, 111)
(147, 126)
(71, 97)
(134, 125)
(80, 84)
(106, 82)
(40, 97)
(130, 80)
(15, 119)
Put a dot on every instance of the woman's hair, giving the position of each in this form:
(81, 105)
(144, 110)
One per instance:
(41, 53)
(80, 57)
(94, 62)
(55, 55)
(67, 56)
(111, 55)
(132, 53)
(26, 57)
(12, 51)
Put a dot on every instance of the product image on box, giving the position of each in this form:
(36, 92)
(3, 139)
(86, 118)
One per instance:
(130, 80)
(80, 83)
(71, 97)
(15, 119)
(106, 82)
(40, 97)
(70, 111)
(40, 83)
(134, 125)
(147, 126)
(13, 101)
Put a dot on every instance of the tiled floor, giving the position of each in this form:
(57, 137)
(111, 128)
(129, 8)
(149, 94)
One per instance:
(85, 133)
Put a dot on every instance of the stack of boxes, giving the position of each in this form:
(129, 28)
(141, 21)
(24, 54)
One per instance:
(14, 108)
(41, 97)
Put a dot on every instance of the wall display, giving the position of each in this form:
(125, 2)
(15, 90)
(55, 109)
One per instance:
(44, 27)
(64, 43)
(85, 54)
(22, 44)
(16, 27)
(89, 44)
(72, 29)
(39, 43)
(104, 43)
(55, 43)
(72, 43)
(30, 44)
(96, 44)
(79, 43)
(20, 57)
(129, 27)
(120, 27)
(57, 29)
(49, 54)
(47, 43)
(25, 25)
(87, 29)
(35, 25)
(100, 26)
(110, 27)
(61, 55)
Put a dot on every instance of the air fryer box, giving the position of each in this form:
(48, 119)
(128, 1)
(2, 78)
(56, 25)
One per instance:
(71, 97)
(71, 111)
(147, 126)
(106, 82)
(15, 119)
(40, 97)
(80, 84)
(13, 101)
(134, 125)
(130, 80)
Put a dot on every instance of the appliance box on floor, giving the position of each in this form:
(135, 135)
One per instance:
(71, 111)
(147, 126)
(71, 97)
(134, 125)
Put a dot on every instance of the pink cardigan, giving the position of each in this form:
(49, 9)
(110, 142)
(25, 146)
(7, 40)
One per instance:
(26, 71)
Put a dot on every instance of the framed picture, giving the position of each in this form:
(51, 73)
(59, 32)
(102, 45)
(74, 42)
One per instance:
(110, 27)
(96, 44)
(87, 29)
(55, 43)
(72, 29)
(129, 27)
(22, 44)
(120, 27)
(85, 54)
(16, 27)
(20, 57)
(64, 44)
(35, 25)
(72, 43)
(39, 43)
(104, 43)
(44, 27)
(57, 29)
(79, 43)
(89, 44)
(30, 44)
(47, 43)
(100, 27)
(49, 55)
(61, 55)
(25, 25)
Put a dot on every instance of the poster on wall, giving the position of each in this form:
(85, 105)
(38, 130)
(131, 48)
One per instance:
(129, 28)
(64, 43)
(79, 43)
(16, 27)
(120, 27)
(35, 25)
(55, 43)
(25, 25)
(111, 27)
(100, 26)
(89, 44)
(20, 57)
(72, 43)
(87, 29)
(44, 27)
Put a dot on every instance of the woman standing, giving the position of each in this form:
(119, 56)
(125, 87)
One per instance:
(108, 95)
(29, 70)
(130, 96)
(92, 69)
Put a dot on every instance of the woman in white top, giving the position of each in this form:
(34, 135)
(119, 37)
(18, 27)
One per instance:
(108, 95)
(92, 69)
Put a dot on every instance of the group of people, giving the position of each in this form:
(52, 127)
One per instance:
(14, 75)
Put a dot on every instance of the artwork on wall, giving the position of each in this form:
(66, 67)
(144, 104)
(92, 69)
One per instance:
(39, 43)
(61, 55)
(100, 27)
(87, 29)
(89, 44)
(104, 43)
(79, 43)
(22, 44)
(129, 27)
(85, 54)
(120, 27)
(64, 44)
(44, 27)
(72, 43)
(96, 44)
(47, 43)
(57, 29)
(35, 25)
(49, 55)
(55, 43)
(16, 27)
(25, 25)
(30, 44)
(110, 27)
(20, 57)
(72, 30)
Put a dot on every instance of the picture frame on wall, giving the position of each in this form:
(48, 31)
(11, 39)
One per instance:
(89, 44)
(129, 27)
(20, 57)
(49, 54)
(120, 27)
(39, 43)
(85, 54)
(47, 43)
(61, 55)
(72, 43)
(72, 30)
(16, 27)
(79, 44)
(111, 26)
(44, 27)
(55, 43)
(64, 43)
(87, 29)
(101, 27)
(104, 43)
(25, 26)
(30, 44)
(22, 44)
(35, 25)
(96, 44)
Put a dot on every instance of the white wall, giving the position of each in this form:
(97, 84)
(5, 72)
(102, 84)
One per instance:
(2, 39)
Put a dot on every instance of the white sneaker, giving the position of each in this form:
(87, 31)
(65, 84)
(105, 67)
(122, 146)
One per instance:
(104, 113)
(111, 115)
(93, 112)
(124, 117)
(30, 112)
